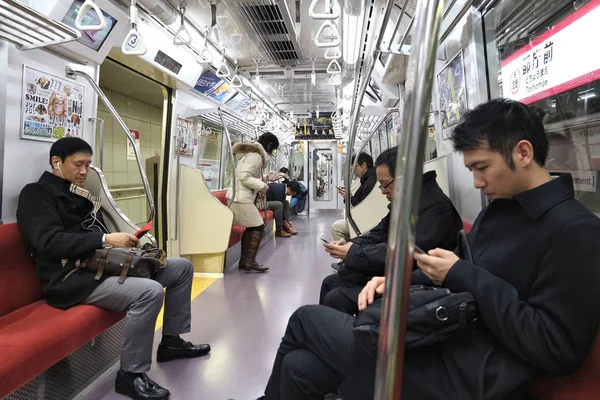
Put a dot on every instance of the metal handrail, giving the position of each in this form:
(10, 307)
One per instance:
(409, 168)
(389, 5)
(233, 160)
(101, 141)
(71, 73)
(178, 143)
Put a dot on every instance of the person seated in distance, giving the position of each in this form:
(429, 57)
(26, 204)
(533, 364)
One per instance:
(534, 274)
(61, 224)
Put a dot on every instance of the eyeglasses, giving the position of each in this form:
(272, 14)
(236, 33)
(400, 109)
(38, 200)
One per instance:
(383, 188)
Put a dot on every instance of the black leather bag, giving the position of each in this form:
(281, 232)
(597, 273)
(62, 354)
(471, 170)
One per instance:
(124, 262)
(434, 314)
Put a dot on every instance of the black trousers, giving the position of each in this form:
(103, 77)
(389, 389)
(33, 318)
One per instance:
(317, 353)
(337, 294)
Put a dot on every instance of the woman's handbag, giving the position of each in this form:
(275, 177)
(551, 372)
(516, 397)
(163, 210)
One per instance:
(142, 262)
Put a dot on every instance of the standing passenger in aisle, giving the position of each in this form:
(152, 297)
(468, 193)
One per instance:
(61, 224)
(250, 188)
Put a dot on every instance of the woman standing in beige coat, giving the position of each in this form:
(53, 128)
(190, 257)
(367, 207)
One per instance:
(251, 158)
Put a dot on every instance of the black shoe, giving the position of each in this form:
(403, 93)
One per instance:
(178, 348)
(335, 266)
(139, 387)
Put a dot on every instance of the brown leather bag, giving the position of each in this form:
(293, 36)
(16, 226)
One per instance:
(124, 262)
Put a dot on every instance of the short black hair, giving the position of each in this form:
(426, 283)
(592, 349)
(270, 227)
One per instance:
(502, 124)
(269, 142)
(363, 158)
(284, 170)
(294, 186)
(68, 146)
(388, 157)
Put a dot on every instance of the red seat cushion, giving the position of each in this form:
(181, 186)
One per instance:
(236, 235)
(270, 215)
(35, 337)
(467, 226)
(221, 195)
(19, 283)
(582, 385)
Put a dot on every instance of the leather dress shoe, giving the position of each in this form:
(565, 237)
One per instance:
(179, 348)
(139, 387)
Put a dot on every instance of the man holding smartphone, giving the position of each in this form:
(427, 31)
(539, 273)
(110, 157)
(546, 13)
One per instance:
(364, 256)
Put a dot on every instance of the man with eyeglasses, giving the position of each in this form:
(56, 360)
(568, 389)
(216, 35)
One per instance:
(364, 256)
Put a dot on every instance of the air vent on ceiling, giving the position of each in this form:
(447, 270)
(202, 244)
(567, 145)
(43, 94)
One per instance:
(270, 21)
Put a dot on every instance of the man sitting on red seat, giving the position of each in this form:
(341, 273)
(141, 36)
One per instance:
(534, 275)
(61, 224)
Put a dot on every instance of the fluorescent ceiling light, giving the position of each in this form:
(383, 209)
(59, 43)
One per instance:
(352, 33)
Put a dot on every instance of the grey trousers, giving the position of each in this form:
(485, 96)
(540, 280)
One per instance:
(281, 209)
(142, 299)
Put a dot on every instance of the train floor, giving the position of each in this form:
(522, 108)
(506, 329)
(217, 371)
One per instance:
(243, 317)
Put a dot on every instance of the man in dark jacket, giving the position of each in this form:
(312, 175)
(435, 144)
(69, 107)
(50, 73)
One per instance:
(364, 256)
(61, 224)
(366, 173)
(277, 201)
(534, 275)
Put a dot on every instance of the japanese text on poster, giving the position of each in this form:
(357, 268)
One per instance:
(51, 106)
(185, 132)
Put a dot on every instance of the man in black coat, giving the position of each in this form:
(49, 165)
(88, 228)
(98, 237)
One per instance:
(61, 224)
(534, 275)
(364, 256)
(366, 173)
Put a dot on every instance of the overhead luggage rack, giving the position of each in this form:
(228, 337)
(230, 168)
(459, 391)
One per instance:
(27, 29)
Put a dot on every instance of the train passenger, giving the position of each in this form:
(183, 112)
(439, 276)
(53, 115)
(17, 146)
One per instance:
(364, 256)
(61, 224)
(534, 276)
(300, 195)
(252, 158)
(277, 201)
(366, 173)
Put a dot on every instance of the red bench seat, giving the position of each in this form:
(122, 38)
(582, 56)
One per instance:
(33, 335)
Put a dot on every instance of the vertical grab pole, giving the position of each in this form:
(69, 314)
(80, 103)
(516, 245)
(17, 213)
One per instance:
(101, 142)
(233, 162)
(409, 168)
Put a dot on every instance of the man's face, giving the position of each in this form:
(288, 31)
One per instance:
(386, 181)
(360, 170)
(289, 192)
(492, 174)
(75, 168)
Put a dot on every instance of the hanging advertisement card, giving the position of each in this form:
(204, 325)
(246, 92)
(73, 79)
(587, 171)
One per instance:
(51, 107)
(453, 93)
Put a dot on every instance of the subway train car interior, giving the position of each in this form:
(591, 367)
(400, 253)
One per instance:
(299, 199)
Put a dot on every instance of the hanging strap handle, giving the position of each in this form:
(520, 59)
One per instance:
(87, 6)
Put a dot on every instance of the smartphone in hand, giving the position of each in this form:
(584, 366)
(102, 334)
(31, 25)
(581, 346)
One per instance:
(324, 240)
(418, 249)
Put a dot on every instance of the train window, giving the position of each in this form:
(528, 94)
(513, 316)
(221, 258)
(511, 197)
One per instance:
(534, 55)
(209, 152)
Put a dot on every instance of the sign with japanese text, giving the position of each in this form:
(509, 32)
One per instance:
(556, 61)
(130, 152)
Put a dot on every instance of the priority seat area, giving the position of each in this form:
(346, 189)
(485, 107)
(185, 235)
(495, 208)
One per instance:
(33, 335)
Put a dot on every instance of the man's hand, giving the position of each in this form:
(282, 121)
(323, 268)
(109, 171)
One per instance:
(342, 191)
(436, 264)
(339, 242)
(337, 251)
(121, 239)
(366, 297)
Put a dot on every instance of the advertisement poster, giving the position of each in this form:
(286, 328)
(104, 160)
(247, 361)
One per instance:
(222, 93)
(207, 83)
(51, 106)
(130, 152)
(210, 172)
(453, 93)
(185, 131)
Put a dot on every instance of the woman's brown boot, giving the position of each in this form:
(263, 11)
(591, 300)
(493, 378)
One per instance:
(250, 244)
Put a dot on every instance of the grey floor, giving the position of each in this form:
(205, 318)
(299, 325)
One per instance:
(243, 317)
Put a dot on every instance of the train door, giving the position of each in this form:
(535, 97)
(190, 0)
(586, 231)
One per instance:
(143, 105)
(322, 163)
